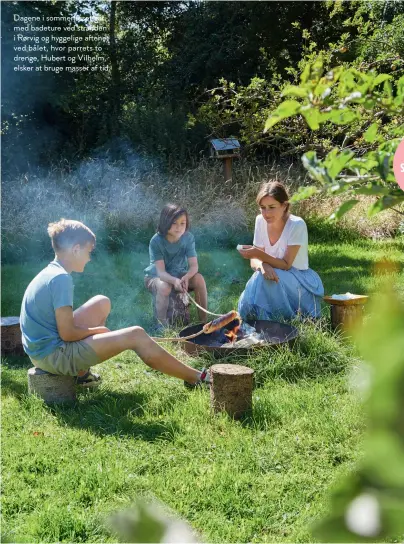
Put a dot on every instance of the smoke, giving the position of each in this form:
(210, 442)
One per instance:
(120, 201)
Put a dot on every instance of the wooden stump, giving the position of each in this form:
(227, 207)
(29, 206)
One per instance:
(346, 317)
(347, 314)
(231, 389)
(11, 343)
(177, 311)
(52, 388)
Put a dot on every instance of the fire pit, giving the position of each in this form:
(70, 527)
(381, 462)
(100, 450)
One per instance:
(271, 334)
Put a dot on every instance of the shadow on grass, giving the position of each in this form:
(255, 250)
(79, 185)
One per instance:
(10, 386)
(321, 231)
(16, 361)
(100, 412)
(105, 413)
(262, 417)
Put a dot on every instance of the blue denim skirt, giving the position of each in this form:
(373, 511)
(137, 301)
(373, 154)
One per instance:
(298, 292)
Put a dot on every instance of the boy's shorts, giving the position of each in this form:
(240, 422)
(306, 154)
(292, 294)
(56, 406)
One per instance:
(68, 359)
(151, 283)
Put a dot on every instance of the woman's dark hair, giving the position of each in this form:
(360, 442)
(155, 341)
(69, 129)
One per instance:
(169, 214)
(277, 190)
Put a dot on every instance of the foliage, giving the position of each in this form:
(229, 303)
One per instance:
(161, 72)
(344, 96)
(358, 35)
(368, 504)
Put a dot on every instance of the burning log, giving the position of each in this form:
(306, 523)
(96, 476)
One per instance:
(231, 389)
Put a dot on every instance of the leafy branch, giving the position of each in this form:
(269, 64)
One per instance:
(344, 96)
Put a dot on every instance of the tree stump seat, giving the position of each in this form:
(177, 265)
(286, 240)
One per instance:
(177, 310)
(347, 315)
(52, 388)
(11, 343)
(231, 389)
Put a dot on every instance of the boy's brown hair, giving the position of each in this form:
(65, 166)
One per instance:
(169, 214)
(67, 233)
(277, 190)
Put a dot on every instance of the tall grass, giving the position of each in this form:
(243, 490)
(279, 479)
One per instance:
(121, 203)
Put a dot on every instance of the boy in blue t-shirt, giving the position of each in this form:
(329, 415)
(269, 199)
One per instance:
(62, 341)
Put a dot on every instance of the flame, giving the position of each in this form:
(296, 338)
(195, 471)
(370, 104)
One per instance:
(232, 334)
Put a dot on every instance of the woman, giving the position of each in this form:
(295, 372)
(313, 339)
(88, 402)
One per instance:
(282, 286)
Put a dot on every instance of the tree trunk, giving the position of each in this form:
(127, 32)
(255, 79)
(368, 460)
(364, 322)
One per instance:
(115, 89)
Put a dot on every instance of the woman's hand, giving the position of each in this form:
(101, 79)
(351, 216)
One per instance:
(249, 252)
(178, 285)
(268, 272)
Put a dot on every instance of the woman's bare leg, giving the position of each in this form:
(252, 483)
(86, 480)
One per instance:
(197, 283)
(112, 343)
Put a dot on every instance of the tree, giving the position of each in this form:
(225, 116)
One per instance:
(343, 96)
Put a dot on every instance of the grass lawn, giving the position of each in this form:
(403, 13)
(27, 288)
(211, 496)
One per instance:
(265, 479)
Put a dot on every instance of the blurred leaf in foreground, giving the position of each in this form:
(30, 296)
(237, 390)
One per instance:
(369, 504)
(150, 521)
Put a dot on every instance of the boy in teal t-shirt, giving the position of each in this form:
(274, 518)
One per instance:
(174, 263)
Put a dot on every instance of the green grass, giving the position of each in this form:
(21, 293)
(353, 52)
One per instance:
(265, 479)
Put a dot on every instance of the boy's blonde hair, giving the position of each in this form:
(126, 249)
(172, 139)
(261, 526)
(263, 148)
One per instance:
(67, 233)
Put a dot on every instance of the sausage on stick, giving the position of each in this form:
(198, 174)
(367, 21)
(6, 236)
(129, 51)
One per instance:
(220, 322)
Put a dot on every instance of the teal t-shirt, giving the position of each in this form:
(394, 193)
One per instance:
(175, 255)
(52, 288)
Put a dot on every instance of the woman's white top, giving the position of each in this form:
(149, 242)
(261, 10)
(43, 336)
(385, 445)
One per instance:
(293, 234)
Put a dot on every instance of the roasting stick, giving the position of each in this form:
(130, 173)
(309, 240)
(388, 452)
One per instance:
(212, 326)
(200, 307)
(177, 338)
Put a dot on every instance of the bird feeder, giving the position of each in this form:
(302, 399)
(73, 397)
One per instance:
(225, 149)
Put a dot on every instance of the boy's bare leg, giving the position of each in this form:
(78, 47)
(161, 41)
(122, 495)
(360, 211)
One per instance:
(197, 283)
(92, 313)
(112, 343)
(163, 290)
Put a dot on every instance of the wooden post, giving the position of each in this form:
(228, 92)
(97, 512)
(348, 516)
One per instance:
(231, 389)
(227, 169)
(347, 314)
(11, 343)
(52, 388)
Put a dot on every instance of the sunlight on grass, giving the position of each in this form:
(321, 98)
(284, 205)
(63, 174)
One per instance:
(264, 479)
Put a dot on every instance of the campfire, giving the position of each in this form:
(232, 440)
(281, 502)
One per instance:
(228, 333)
(232, 334)
(243, 336)
(259, 334)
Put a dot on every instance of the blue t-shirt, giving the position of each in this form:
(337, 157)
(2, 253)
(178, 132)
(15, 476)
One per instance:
(52, 288)
(174, 254)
